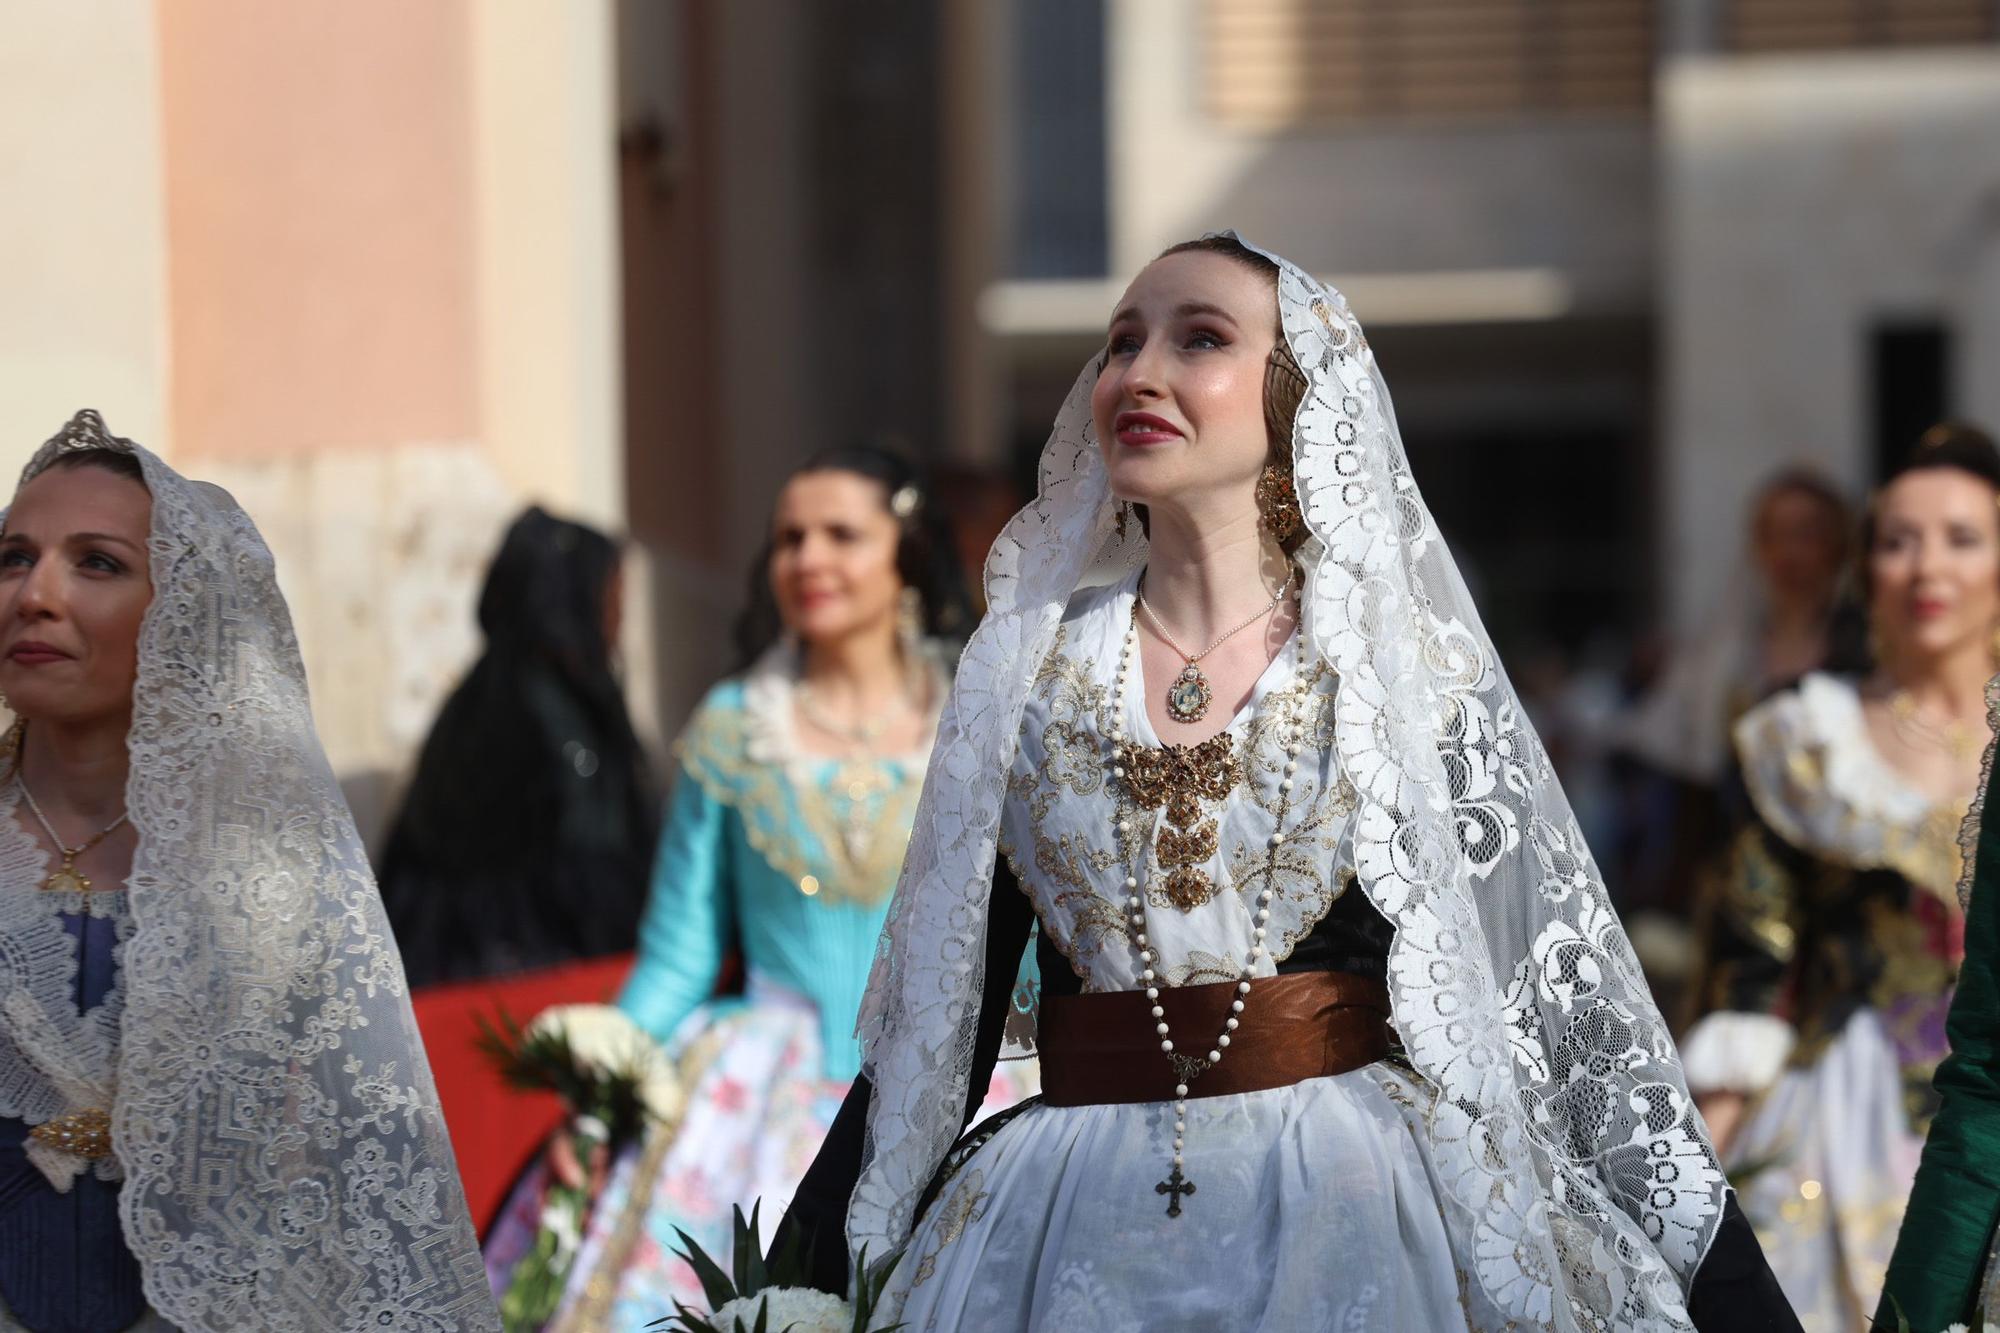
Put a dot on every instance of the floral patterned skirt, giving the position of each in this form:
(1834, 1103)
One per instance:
(758, 1110)
(1316, 1206)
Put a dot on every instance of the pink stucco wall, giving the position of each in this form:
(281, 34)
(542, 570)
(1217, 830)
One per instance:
(320, 224)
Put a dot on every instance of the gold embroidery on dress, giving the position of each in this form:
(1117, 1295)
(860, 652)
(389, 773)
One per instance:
(1926, 852)
(966, 1205)
(1178, 779)
(1063, 871)
(1202, 969)
(1300, 866)
(855, 825)
(1758, 896)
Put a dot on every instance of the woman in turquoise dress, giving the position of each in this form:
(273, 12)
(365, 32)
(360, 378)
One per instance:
(797, 786)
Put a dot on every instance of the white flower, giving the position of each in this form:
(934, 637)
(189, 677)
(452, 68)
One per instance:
(604, 1040)
(798, 1309)
(661, 1092)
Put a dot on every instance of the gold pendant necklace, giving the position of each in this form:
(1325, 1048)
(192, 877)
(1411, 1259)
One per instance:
(1190, 694)
(67, 878)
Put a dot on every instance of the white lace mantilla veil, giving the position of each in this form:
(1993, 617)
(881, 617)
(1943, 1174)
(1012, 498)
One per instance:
(286, 1164)
(1573, 1158)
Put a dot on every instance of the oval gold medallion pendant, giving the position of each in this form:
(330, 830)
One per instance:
(1188, 697)
(66, 880)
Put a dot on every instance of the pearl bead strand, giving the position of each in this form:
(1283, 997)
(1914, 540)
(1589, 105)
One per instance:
(1186, 1068)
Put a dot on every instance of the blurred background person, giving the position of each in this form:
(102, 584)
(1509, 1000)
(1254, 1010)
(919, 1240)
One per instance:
(527, 832)
(1832, 939)
(797, 787)
(1774, 630)
(1670, 753)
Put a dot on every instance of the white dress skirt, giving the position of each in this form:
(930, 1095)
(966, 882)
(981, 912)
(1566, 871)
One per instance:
(1828, 1159)
(1315, 1207)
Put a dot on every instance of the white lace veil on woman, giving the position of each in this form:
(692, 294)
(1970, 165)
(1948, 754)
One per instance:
(1579, 1174)
(286, 1164)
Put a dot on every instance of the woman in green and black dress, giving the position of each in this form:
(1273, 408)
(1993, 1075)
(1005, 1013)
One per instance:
(1943, 1270)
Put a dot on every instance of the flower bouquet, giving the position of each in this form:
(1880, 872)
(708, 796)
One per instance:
(613, 1079)
(756, 1297)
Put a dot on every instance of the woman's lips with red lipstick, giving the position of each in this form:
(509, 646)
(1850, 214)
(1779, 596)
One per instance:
(1138, 429)
(1928, 608)
(31, 652)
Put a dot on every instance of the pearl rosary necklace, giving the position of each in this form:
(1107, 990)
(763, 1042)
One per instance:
(1186, 1067)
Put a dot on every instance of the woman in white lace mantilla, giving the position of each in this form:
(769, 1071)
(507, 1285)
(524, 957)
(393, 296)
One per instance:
(1834, 930)
(215, 1111)
(1337, 1027)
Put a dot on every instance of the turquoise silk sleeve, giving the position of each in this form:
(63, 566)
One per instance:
(687, 921)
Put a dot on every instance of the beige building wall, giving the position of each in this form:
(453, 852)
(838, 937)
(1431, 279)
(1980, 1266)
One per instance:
(1500, 199)
(83, 286)
(1807, 198)
(354, 260)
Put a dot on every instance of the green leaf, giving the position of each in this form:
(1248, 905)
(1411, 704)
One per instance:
(757, 1277)
(791, 1258)
(868, 1290)
(1902, 1320)
(684, 1319)
(716, 1287)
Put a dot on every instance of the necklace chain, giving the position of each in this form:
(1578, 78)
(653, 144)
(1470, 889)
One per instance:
(866, 733)
(1957, 738)
(1189, 1067)
(1224, 637)
(66, 878)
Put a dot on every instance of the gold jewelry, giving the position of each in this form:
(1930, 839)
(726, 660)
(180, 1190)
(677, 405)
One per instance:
(1961, 740)
(68, 879)
(864, 734)
(1187, 1067)
(85, 1134)
(1189, 694)
(1278, 503)
(910, 622)
(1285, 388)
(1179, 778)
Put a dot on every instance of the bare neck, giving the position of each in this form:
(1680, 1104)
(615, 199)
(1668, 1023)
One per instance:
(1952, 683)
(864, 668)
(77, 771)
(1201, 579)
(1795, 617)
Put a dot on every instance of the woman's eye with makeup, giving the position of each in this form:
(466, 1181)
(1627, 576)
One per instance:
(102, 563)
(1964, 536)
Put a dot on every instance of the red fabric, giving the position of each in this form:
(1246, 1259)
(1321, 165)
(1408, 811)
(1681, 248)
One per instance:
(493, 1127)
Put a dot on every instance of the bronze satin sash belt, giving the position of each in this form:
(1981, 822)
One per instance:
(1100, 1049)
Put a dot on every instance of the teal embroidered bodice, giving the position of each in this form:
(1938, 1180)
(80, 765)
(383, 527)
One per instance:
(791, 857)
